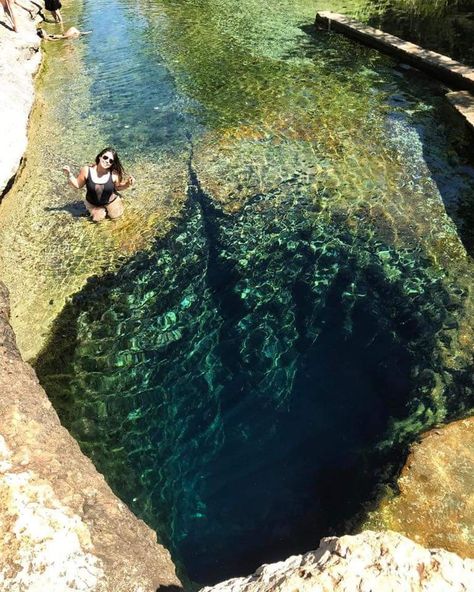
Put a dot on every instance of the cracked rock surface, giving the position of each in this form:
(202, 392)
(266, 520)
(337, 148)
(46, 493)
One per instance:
(368, 562)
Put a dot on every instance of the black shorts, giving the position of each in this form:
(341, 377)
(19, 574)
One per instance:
(52, 4)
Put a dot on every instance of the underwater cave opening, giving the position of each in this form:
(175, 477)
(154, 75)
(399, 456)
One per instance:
(238, 386)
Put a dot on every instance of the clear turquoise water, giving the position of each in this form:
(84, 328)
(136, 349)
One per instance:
(242, 412)
(251, 382)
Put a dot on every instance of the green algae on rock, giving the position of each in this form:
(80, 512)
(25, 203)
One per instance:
(434, 504)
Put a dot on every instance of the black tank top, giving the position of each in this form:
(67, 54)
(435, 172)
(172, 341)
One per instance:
(99, 194)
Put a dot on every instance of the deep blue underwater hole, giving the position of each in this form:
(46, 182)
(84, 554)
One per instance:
(239, 386)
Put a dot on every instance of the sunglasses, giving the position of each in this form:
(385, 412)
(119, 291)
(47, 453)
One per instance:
(108, 159)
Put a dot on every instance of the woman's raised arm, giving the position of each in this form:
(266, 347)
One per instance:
(80, 180)
(125, 184)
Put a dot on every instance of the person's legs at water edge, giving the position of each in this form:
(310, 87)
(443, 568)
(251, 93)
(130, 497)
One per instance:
(29, 10)
(115, 209)
(97, 213)
(7, 6)
(54, 6)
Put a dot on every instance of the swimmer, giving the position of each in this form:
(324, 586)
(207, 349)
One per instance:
(71, 33)
(102, 180)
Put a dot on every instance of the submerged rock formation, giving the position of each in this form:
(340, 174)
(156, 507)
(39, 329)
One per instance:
(367, 562)
(20, 61)
(435, 506)
(61, 527)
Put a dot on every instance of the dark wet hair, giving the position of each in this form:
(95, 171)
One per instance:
(116, 166)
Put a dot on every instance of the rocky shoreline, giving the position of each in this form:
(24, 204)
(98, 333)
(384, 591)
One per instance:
(370, 561)
(21, 59)
(435, 503)
(63, 529)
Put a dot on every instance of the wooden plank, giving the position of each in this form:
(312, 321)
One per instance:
(454, 73)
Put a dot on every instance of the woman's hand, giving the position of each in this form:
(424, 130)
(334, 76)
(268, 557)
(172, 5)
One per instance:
(126, 184)
(119, 186)
(71, 179)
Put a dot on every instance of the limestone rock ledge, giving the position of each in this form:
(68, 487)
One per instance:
(61, 527)
(21, 58)
(435, 502)
(368, 562)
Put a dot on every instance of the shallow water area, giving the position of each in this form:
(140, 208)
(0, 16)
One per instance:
(286, 303)
(48, 246)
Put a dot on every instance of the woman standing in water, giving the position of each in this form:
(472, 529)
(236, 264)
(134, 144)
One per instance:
(54, 8)
(102, 181)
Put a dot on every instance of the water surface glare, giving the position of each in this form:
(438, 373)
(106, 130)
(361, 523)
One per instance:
(249, 382)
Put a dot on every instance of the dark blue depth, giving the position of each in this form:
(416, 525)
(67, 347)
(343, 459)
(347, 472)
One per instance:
(238, 385)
